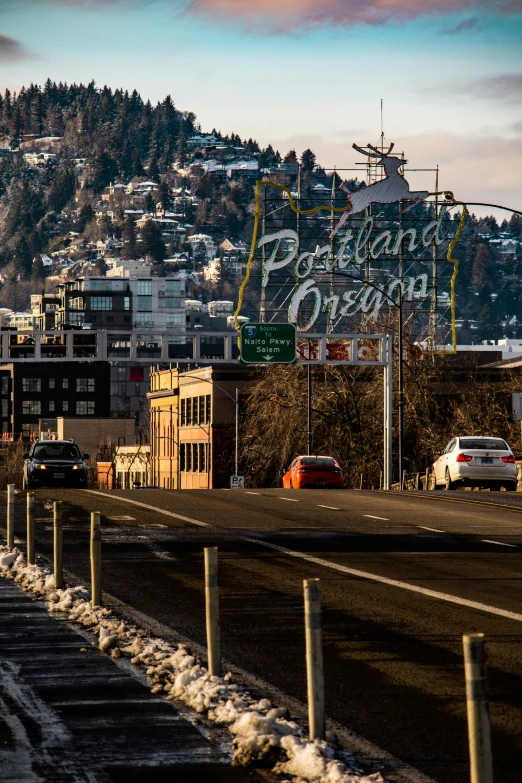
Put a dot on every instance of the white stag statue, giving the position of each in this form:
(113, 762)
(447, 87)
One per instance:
(387, 191)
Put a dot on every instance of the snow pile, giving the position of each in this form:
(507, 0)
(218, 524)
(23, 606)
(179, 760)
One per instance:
(261, 732)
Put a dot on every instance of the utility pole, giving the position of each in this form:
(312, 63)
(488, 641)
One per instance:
(401, 390)
(309, 406)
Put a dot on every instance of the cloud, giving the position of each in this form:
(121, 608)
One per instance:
(502, 87)
(461, 27)
(11, 49)
(283, 17)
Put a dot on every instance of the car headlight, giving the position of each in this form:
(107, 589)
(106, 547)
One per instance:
(39, 467)
(76, 467)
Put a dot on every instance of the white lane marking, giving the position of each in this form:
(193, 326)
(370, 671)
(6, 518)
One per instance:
(151, 508)
(371, 516)
(292, 500)
(433, 529)
(334, 508)
(452, 599)
(500, 543)
(252, 493)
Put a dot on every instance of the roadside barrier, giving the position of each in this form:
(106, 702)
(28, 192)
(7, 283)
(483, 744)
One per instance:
(479, 733)
(30, 528)
(10, 515)
(314, 658)
(58, 544)
(95, 559)
(212, 610)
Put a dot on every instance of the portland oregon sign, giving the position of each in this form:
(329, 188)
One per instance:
(331, 253)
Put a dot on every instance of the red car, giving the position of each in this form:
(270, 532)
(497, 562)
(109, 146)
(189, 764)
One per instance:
(313, 471)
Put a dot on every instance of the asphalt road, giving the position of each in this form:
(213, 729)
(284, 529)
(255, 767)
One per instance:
(403, 577)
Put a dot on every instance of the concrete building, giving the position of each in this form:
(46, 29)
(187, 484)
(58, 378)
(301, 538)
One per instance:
(34, 390)
(192, 426)
(131, 466)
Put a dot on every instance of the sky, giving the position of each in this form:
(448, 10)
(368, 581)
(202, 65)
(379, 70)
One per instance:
(305, 73)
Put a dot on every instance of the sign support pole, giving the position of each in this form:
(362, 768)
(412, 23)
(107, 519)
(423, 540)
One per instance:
(387, 428)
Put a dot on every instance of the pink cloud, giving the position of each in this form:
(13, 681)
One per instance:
(289, 15)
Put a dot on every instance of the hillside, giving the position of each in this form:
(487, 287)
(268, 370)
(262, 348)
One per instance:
(81, 169)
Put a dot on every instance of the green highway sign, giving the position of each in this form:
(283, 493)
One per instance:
(268, 343)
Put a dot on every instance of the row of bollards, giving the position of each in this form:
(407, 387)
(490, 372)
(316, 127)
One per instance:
(481, 765)
(95, 540)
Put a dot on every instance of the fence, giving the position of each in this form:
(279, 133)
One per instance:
(481, 768)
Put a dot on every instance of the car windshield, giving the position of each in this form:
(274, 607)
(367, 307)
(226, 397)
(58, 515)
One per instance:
(483, 443)
(326, 461)
(56, 451)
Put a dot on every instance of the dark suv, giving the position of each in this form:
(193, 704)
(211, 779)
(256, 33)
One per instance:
(55, 463)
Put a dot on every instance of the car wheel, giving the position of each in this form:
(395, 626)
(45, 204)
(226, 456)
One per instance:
(433, 483)
(449, 483)
(511, 486)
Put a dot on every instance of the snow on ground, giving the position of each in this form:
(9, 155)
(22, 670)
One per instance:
(260, 731)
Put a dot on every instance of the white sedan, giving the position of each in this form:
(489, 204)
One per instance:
(476, 461)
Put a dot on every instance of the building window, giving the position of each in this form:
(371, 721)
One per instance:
(101, 302)
(144, 287)
(183, 412)
(173, 287)
(195, 461)
(202, 460)
(5, 384)
(52, 383)
(77, 303)
(188, 457)
(182, 457)
(5, 409)
(65, 383)
(126, 303)
(30, 430)
(31, 384)
(85, 407)
(207, 406)
(189, 410)
(76, 318)
(110, 319)
(126, 319)
(174, 319)
(51, 406)
(169, 302)
(122, 373)
(144, 304)
(201, 404)
(85, 384)
(144, 319)
(65, 406)
(31, 407)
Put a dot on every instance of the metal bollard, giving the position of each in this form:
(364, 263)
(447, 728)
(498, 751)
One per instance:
(427, 479)
(30, 528)
(361, 485)
(212, 610)
(417, 481)
(404, 481)
(58, 544)
(480, 758)
(10, 515)
(95, 559)
(380, 480)
(314, 658)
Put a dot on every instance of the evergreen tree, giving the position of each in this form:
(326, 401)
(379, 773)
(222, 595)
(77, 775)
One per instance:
(291, 157)
(182, 149)
(152, 243)
(308, 160)
(104, 171)
(85, 216)
(154, 172)
(17, 134)
(164, 195)
(129, 238)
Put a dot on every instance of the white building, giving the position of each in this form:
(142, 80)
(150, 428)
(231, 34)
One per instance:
(131, 466)
(205, 241)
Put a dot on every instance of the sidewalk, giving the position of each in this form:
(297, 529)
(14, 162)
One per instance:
(69, 713)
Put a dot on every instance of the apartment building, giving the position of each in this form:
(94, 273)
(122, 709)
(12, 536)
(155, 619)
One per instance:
(192, 426)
